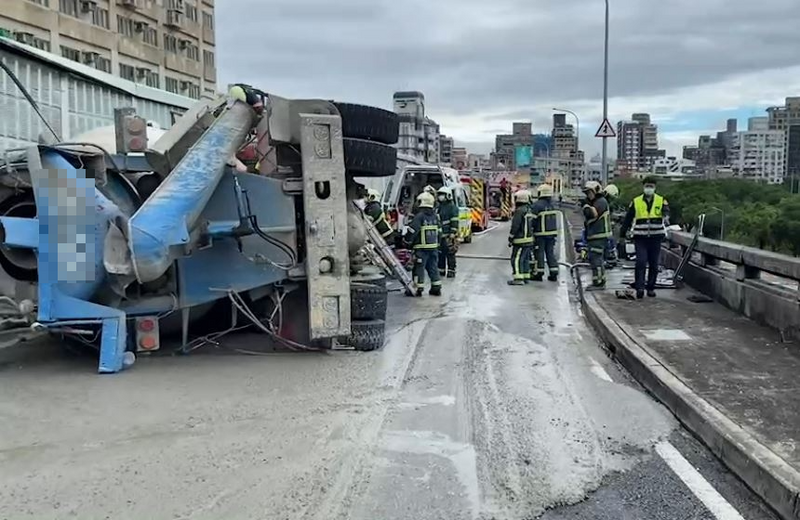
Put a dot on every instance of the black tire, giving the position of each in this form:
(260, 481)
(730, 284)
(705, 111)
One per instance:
(367, 336)
(369, 159)
(370, 276)
(468, 239)
(370, 123)
(368, 302)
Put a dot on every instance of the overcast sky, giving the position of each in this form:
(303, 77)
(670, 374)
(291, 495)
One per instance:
(485, 63)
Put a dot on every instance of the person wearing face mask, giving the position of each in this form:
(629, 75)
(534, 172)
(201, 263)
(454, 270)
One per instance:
(448, 214)
(646, 221)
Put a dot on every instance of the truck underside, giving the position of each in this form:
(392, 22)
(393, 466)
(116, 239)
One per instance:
(115, 247)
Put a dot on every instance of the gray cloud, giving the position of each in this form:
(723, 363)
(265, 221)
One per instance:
(496, 56)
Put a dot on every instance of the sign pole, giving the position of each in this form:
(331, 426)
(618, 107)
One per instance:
(604, 173)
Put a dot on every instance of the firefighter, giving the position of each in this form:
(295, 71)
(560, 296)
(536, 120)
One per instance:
(249, 95)
(598, 230)
(374, 212)
(545, 231)
(520, 238)
(423, 235)
(648, 215)
(448, 215)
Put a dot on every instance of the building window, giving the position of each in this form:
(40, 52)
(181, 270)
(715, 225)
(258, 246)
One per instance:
(192, 52)
(152, 80)
(125, 26)
(45, 3)
(208, 58)
(100, 17)
(69, 7)
(172, 85)
(170, 43)
(193, 91)
(208, 20)
(70, 53)
(127, 72)
(102, 63)
(191, 13)
(150, 36)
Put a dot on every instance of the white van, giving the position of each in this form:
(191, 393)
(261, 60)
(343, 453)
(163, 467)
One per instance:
(408, 183)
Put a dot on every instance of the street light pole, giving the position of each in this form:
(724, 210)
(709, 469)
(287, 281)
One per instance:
(722, 222)
(604, 173)
(577, 125)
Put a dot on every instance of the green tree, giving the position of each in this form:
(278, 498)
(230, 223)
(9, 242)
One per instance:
(787, 224)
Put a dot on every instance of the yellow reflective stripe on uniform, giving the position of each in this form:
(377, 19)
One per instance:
(423, 243)
(606, 231)
(648, 222)
(543, 223)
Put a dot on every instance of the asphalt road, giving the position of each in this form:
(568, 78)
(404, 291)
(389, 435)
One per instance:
(492, 402)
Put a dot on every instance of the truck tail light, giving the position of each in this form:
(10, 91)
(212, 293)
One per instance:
(147, 334)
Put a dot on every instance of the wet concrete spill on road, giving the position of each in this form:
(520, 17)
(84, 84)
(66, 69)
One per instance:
(489, 403)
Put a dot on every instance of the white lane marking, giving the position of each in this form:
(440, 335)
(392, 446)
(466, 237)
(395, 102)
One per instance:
(702, 489)
(598, 370)
(490, 228)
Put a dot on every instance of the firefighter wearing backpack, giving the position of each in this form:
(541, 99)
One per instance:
(374, 212)
(448, 215)
(424, 235)
(545, 232)
(520, 238)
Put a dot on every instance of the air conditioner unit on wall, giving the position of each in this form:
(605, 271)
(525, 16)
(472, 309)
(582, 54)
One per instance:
(142, 72)
(24, 37)
(89, 57)
(174, 18)
(87, 6)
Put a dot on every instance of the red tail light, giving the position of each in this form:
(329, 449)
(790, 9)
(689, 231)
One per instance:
(393, 217)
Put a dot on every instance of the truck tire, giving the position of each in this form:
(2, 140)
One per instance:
(370, 123)
(370, 276)
(367, 336)
(364, 158)
(368, 302)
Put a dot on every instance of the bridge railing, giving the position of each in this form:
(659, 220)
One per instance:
(759, 284)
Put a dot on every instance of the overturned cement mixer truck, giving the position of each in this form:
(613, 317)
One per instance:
(116, 241)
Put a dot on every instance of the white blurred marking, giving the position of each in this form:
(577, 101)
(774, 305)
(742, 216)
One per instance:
(598, 370)
(702, 489)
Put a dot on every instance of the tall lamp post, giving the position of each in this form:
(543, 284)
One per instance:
(577, 125)
(604, 173)
(722, 222)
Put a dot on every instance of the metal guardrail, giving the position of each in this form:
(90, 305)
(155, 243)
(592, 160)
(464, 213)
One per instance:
(749, 262)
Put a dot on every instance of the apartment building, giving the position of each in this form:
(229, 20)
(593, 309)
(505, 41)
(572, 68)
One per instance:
(759, 153)
(166, 44)
(786, 118)
(419, 134)
(637, 143)
(446, 145)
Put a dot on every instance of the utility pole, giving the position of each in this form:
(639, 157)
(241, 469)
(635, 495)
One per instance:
(604, 173)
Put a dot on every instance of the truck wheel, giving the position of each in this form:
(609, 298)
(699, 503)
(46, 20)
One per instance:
(370, 276)
(367, 336)
(365, 122)
(364, 158)
(368, 302)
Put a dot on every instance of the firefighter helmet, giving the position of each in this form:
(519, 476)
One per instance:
(592, 186)
(522, 197)
(545, 190)
(373, 195)
(612, 191)
(447, 192)
(429, 189)
(425, 200)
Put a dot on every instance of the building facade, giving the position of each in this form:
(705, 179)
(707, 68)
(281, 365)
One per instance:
(786, 118)
(759, 153)
(166, 44)
(637, 143)
(446, 150)
(419, 134)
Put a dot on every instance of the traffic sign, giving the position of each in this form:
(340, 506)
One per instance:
(606, 130)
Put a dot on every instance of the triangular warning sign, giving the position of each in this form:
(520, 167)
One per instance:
(606, 130)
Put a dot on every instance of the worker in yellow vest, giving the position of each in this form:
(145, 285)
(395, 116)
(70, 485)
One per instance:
(646, 222)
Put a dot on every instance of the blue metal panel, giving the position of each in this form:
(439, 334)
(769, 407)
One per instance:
(20, 232)
(161, 227)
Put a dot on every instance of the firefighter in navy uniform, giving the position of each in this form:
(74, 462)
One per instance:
(648, 215)
(520, 238)
(424, 235)
(374, 212)
(545, 232)
(597, 220)
(448, 215)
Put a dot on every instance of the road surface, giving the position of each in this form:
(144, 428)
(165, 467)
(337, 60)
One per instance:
(493, 402)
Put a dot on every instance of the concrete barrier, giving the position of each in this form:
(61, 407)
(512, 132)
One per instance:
(743, 288)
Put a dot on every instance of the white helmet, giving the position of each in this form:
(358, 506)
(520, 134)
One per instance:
(373, 195)
(592, 186)
(429, 189)
(447, 192)
(545, 190)
(425, 200)
(522, 197)
(612, 191)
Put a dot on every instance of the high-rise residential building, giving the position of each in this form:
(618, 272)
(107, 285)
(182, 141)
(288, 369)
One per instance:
(637, 143)
(505, 145)
(166, 44)
(759, 152)
(708, 155)
(419, 134)
(787, 119)
(565, 141)
(446, 149)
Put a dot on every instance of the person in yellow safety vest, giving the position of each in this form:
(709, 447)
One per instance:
(520, 238)
(424, 235)
(597, 220)
(647, 218)
(374, 212)
(249, 95)
(545, 232)
(448, 215)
